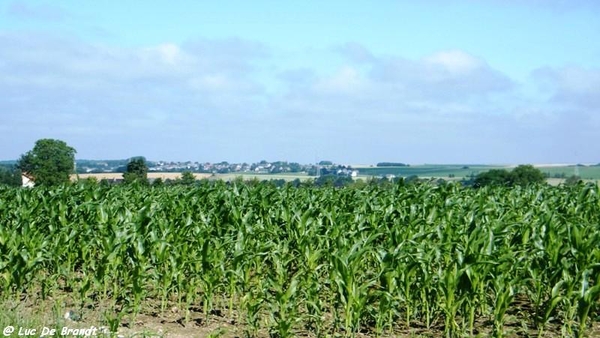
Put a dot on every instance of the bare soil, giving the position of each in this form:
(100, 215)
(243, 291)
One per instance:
(173, 322)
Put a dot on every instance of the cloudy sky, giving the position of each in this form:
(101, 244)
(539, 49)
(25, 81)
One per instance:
(432, 81)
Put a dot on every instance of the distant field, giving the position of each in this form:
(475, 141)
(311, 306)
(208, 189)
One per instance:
(442, 171)
(589, 173)
(459, 171)
(250, 176)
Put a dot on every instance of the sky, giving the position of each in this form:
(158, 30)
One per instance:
(354, 82)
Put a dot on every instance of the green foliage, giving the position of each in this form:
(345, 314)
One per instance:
(494, 177)
(10, 176)
(158, 182)
(50, 162)
(372, 260)
(526, 174)
(295, 167)
(187, 178)
(522, 175)
(412, 179)
(333, 180)
(391, 164)
(359, 183)
(573, 180)
(92, 181)
(137, 171)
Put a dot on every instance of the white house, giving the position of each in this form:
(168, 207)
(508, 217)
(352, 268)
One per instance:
(27, 180)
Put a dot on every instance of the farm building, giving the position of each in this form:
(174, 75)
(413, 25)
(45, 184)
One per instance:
(27, 180)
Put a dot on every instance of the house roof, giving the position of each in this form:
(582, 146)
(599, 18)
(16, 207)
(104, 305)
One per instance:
(28, 175)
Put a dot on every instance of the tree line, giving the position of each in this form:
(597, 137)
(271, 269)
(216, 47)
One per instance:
(51, 162)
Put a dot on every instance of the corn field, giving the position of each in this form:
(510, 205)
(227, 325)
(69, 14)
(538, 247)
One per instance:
(309, 261)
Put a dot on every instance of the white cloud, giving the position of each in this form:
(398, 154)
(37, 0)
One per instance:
(64, 85)
(206, 100)
(436, 84)
(570, 87)
(455, 61)
(170, 53)
(346, 80)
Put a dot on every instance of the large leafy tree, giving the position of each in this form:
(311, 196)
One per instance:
(493, 177)
(520, 176)
(50, 162)
(137, 171)
(527, 174)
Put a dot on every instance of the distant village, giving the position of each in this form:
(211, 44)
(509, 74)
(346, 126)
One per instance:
(262, 167)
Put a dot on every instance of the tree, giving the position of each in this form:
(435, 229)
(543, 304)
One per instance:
(573, 180)
(295, 183)
(333, 180)
(158, 182)
(10, 176)
(295, 167)
(50, 162)
(527, 174)
(137, 171)
(187, 178)
(495, 177)
(522, 175)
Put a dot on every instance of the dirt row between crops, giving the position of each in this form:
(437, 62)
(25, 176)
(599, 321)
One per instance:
(32, 312)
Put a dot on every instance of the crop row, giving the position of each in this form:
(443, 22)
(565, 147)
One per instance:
(379, 260)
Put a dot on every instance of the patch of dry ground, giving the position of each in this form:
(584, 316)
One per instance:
(175, 323)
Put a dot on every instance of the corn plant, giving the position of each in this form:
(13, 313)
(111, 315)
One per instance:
(372, 259)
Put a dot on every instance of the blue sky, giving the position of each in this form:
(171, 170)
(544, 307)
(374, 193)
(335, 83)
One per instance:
(429, 81)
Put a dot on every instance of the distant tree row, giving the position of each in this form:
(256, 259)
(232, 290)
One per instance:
(51, 162)
(392, 164)
(340, 170)
(187, 178)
